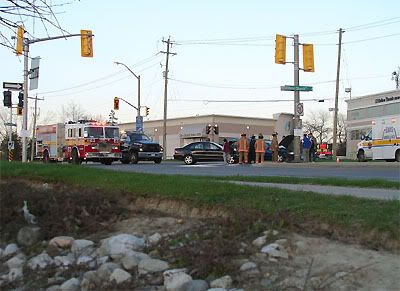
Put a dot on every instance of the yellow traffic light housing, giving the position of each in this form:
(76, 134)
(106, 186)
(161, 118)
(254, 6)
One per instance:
(116, 103)
(86, 43)
(308, 58)
(280, 49)
(20, 40)
(19, 111)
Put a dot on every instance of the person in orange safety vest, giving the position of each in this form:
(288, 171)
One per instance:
(260, 149)
(243, 148)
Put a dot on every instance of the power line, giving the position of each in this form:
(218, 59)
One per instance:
(141, 62)
(247, 100)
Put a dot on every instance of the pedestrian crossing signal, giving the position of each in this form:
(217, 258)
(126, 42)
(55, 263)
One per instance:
(19, 111)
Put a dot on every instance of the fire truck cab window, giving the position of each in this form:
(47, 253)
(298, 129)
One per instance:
(111, 132)
(93, 132)
(80, 132)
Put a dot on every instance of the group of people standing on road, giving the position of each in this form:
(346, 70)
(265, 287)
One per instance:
(253, 150)
(309, 148)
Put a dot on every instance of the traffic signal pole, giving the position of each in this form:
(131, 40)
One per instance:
(296, 141)
(26, 43)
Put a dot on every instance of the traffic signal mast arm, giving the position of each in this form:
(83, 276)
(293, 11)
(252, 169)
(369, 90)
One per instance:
(128, 103)
(30, 41)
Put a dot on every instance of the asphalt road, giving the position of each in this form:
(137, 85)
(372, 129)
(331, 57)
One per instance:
(349, 170)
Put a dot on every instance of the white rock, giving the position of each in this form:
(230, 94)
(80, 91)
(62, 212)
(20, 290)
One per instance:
(260, 241)
(90, 281)
(275, 250)
(28, 235)
(120, 276)
(101, 260)
(53, 288)
(14, 274)
(84, 260)
(129, 262)
(16, 261)
(223, 282)
(155, 238)
(64, 242)
(82, 247)
(117, 246)
(70, 285)
(41, 261)
(106, 269)
(248, 266)
(271, 232)
(152, 266)
(10, 249)
(64, 261)
(176, 279)
(196, 285)
(283, 242)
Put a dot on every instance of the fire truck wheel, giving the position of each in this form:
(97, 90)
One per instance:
(46, 157)
(134, 158)
(75, 159)
(107, 162)
(158, 161)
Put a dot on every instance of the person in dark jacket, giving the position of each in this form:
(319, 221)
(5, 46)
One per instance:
(227, 151)
(252, 149)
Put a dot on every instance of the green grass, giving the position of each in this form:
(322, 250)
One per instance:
(370, 183)
(337, 210)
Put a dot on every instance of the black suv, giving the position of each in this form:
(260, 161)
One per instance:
(137, 146)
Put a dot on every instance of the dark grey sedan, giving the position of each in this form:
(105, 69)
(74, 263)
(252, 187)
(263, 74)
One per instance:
(198, 152)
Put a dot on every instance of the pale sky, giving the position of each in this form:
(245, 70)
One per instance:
(239, 66)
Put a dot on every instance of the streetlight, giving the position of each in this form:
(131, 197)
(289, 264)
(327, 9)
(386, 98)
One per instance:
(138, 78)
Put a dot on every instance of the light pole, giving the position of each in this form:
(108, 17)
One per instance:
(138, 78)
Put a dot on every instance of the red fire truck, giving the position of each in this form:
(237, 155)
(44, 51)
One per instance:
(75, 142)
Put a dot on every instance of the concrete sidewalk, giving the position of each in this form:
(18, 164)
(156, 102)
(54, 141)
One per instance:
(369, 193)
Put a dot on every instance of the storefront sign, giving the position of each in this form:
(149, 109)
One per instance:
(387, 99)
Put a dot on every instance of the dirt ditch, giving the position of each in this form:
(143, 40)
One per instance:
(209, 241)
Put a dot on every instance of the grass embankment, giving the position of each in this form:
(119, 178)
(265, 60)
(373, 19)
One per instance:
(351, 215)
(370, 183)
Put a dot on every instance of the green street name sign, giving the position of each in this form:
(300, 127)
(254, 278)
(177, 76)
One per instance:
(296, 88)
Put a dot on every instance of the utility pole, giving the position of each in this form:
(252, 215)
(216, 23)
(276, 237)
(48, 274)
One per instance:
(34, 128)
(10, 154)
(168, 42)
(335, 116)
(296, 142)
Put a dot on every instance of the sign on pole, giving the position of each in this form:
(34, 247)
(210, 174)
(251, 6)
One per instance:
(139, 123)
(300, 109)
(34, 74)
(296, 88)
(13, 86)
(10, 145)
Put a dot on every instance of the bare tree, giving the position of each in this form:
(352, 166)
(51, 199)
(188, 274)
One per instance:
(72, 112)
(15, 12)
(342, 128)
(319, 124)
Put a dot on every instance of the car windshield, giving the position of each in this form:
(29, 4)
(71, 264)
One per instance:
(111, 132)
(138, 136)
(93, 132)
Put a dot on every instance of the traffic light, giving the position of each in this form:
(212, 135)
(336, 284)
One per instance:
(20, 40)
(86, 43)
(19, 111)
(21, 99)
(116, 103)
(146, 111)
(7, 99)
(280, 49)
(216, 129)
(208, 129)
(308, 58)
